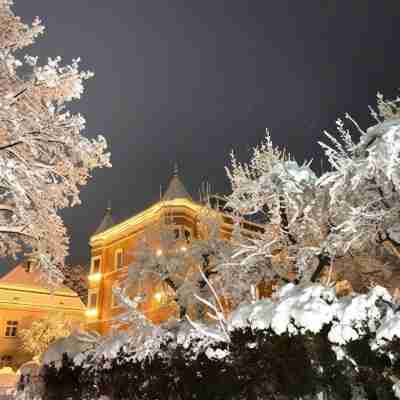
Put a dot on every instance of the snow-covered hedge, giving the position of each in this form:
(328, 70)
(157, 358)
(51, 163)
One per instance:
(304, 343)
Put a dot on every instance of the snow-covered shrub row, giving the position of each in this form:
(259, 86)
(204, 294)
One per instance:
(303, 343)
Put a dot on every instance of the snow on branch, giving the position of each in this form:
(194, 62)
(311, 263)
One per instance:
(44, 158)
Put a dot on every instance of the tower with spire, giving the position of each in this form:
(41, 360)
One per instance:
(112, 246)
(176, 189)
(107, 221)
(113, 249)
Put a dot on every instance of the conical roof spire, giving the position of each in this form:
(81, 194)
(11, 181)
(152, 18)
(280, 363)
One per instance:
(176, 169)
(176, 189)
(107, 221)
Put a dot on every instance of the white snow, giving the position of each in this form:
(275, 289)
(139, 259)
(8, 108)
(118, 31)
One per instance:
(216, 354)
(296, 310)
(396, 389)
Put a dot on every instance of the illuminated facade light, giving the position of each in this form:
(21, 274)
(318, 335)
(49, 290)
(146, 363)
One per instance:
(91, 312)
(95, 277)
(158, 296)
(159, 252)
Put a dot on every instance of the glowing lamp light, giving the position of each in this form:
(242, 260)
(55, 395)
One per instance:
(91, 312)
(159, 252)
(183, 248)
(95, 277)
(158, 296)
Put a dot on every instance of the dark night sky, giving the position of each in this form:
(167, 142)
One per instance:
(189, 80)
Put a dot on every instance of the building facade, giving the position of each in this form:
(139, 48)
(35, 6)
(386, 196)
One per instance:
(113, 249)
(24, 299)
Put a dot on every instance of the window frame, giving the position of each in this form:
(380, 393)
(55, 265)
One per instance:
(6, 359)
(182, 229)
(90, 293)
(11, 326)
(119, 251)
(114, 301)
(92, 264)
(189, 238)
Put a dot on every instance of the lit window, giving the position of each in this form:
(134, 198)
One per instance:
(11, 329)
(119, 259)
(92, 303)
(96, 265)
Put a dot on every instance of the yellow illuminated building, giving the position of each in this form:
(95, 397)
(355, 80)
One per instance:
(24, 299)
(113, 249)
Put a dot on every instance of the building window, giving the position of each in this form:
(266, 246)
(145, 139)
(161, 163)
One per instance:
(188, 235)
(11, 329)
(6, 360)
(28, 266)
(181, 232)
(114, 300)
(92, 299)
(96, 265)
(119, 258)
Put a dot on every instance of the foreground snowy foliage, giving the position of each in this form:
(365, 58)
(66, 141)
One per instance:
(302, 342)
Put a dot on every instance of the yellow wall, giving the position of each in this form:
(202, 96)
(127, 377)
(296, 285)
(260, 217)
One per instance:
(24, 298)
(11, 346)
(110, 242)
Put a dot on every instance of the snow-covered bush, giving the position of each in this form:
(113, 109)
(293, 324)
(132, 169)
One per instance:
(303, 341)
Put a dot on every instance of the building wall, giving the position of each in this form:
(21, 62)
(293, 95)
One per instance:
(106, 312)
(105, 246)
(11, 346)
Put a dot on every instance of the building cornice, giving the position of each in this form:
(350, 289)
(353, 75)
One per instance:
(124, 227)
(30, 307)
(25, 288)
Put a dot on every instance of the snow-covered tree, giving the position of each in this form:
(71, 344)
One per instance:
(37, 338)
(364, 184)
(44, 158)
(287, 193)
(313, 221)
(75, 277)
